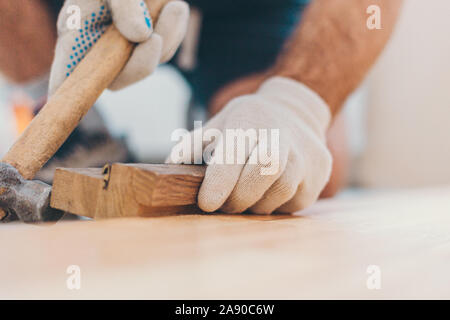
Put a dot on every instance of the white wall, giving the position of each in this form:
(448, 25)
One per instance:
(408, 130)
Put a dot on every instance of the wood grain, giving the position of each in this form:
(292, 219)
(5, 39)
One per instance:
(132, 190)
(321, 253)
(65, 109)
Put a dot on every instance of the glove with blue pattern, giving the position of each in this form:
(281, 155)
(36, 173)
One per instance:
(82, 22)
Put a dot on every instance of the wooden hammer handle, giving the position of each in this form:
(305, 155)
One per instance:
(65, 109)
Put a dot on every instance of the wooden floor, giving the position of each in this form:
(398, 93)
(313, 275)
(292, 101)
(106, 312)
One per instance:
(322, 253)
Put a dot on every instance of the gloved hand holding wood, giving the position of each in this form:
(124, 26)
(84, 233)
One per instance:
(156, 43)
(300, 156)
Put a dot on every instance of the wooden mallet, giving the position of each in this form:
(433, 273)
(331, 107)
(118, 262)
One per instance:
(29, 200)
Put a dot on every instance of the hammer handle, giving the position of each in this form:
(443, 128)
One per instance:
(65, 109)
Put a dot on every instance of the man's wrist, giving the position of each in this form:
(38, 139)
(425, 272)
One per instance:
(313, 77)
(299, 94)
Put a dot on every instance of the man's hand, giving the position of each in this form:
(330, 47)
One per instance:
(337, 140)
(324, 62)
(156, 44)
(300, 157)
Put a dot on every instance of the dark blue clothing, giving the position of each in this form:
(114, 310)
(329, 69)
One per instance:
(238, 37)
(55, 6)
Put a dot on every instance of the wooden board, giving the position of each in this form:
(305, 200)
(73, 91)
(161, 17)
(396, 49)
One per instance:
(128, 190)
(323, 252)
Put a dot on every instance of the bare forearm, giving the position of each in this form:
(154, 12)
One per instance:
(27, 39)
(333, 49)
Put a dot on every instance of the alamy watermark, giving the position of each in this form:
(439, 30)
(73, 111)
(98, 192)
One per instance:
(374, 20)
(374, 280)
(74, 17)
(228, 146)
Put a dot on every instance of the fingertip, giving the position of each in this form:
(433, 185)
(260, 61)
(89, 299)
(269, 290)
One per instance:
(179, 8)
(172, 26)
(209, 202)
(132, 20)
(217, 186)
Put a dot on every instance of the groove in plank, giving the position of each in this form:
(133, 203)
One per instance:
(133, 190)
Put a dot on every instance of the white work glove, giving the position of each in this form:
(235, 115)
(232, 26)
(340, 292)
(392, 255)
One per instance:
(156, 44)
(304, 162)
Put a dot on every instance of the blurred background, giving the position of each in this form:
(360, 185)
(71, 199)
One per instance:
(397, 122)
(144, 114)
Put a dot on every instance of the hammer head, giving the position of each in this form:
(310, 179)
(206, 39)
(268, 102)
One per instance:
(26, 200)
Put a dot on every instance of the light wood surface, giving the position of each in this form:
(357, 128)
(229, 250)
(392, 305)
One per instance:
(65, 109)
(127, 190)
(323, 252)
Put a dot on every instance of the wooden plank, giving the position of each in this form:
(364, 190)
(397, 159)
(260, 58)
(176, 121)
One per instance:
(128, 190)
